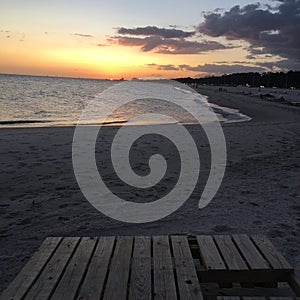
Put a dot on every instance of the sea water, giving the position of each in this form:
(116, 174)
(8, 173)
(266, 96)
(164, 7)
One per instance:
(31, 101)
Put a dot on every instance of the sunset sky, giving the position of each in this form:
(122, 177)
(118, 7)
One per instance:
(147, 39)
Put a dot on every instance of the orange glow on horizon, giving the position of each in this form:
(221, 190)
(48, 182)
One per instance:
(107, 62)
(70, 57)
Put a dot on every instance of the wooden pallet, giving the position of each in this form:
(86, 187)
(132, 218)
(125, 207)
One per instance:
(230, 258)
(143, 267)
(256, 298)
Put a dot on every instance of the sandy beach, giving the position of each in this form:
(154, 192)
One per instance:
(40, 197)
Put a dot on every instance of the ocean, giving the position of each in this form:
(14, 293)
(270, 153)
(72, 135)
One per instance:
(36, 101)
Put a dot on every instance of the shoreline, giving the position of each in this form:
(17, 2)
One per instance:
(222, 112)
(259, 194)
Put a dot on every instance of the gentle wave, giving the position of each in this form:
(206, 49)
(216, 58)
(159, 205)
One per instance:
(15, 122)
(32, 101)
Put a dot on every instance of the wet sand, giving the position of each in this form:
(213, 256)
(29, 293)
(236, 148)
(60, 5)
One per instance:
(40, 197)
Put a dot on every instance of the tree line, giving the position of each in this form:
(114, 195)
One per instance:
(289, 79)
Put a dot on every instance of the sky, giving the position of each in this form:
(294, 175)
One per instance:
(148, 39)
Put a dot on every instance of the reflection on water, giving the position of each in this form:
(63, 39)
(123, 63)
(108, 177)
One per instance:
(32, 101)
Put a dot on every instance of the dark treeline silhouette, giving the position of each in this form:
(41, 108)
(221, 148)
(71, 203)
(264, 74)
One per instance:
(279, 79)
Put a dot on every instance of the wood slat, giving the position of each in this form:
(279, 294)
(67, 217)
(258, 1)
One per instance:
(242, 298)
(164, 282)
(187, 280)
(181, 252)
(276, 260)
(255, 298)
(75, 270)
(209, 253)
(228, 298)
(18, 288)
(282, 298)
(142, 247)
(232, 258)
(52, 272)
(294, 283)
(116, 286)
(140, 280)
(93, 284)
(250, 252)
(120, 268)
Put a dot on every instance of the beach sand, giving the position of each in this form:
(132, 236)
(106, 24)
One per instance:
(40, 197)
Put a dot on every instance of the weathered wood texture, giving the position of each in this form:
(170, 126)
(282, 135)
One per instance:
(148, 267)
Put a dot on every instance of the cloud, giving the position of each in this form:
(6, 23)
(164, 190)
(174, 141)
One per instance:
(250, 56)
(216, 69)
(5, 34)
(164, 40)
(269, 30)
(83, 35)
(163, 67)
(155, 31)
(253, 56)
(12, 35)
(283, 65)
(222, 68)
(167, 45)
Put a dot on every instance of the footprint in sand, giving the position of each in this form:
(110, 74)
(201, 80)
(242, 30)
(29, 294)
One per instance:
(222, 228)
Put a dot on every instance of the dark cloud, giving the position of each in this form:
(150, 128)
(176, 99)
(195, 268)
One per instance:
(222, 68)
(168, 45)
(164, 40)
(261, 55)
(155, 31)
(164, 67)
(274, 30)
(284, 65)
(211, 68)
(83, 35)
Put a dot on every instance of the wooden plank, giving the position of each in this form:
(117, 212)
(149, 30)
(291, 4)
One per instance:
(93, 284)
(161, 252)
(18, 288)
(232, 258)
(209, 253)
(256, 298)
(116, 286)
(181, 251)
(243, 276)
(164, 281)
(187, 280)
(250, 252)
(142, 247)
(244, 298)
(276, 260)
(228, 298)
(75, 270)
(140, 280)
(294, 283)
(52, 272)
